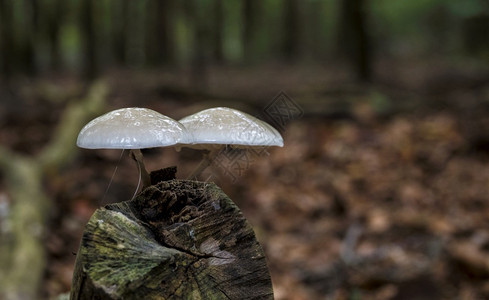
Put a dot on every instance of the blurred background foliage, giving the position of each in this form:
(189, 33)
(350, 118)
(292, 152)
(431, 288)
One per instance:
(86, 37)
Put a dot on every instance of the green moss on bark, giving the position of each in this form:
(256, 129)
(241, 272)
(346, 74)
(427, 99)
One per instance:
(176, 240)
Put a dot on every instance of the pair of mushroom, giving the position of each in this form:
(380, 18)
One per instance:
(137, 128)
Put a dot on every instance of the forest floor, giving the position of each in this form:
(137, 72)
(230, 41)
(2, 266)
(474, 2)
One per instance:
(381, 190)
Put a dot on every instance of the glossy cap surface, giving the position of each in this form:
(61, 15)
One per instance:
(226, 126)
(132, 128)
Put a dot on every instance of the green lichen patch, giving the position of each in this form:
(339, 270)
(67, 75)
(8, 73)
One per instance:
(178, 239)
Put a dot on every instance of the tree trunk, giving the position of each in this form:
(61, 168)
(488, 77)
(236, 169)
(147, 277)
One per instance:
(55, 17)
(292, 34)
(250, 28)
(159, 43)
(165, 31)
(196, 15)
(218, 31)
(89, 39)
(178, 239)
(7, 50)
(28, 59)
(353, 37)
(120, 19)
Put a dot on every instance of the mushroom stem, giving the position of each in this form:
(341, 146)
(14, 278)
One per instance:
(206, 162)
(138, 157)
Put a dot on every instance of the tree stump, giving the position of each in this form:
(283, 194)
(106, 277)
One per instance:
(178, 239)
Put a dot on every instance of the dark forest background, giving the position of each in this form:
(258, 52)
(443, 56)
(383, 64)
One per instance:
(85, 38)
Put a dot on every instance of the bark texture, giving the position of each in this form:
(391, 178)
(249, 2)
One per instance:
(178, 239)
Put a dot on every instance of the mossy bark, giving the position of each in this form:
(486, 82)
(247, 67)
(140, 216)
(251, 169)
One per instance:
(178, 239)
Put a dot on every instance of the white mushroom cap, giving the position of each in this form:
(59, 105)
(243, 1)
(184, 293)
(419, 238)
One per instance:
(222, 125)
(132, 128)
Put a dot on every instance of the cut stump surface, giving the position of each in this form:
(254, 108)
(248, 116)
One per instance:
(178, 239)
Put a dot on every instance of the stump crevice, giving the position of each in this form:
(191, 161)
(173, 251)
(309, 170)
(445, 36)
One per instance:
(178, 239)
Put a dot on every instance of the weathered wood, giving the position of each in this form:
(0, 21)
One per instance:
(178, 239)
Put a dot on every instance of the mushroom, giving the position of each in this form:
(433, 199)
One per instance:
(212, 128)
(132, 128)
